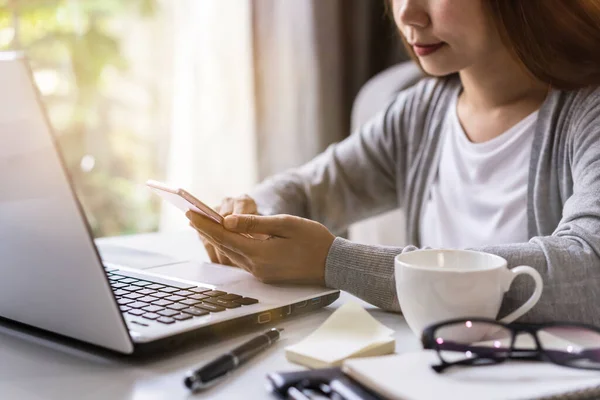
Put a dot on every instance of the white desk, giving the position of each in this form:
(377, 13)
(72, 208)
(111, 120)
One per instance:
(37, 368)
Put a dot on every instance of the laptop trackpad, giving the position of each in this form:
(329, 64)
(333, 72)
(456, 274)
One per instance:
(134, 258)
(212, 274)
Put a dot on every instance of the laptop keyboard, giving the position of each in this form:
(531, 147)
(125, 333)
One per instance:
(167, 301)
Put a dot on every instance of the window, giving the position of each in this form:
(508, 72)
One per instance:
(101, 70)
(137, 90)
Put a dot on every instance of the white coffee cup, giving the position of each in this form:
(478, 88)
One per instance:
(437, 285)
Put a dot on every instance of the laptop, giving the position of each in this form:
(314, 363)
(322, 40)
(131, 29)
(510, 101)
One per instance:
(52, 277)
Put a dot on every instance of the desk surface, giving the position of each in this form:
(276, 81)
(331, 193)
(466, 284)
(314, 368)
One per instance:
(37, 368)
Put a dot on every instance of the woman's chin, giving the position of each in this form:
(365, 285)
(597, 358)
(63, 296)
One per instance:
(437, 69)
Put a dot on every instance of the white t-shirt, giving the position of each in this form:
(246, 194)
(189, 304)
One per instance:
(479, 196)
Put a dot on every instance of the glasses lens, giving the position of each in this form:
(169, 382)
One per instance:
(571, 345)
(472, 340)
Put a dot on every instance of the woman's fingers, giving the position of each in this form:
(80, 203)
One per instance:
(230, 257)
(244, 205)
(215, 256)
(274, 225)
(223, 259)
(220, 255)
(212, 252)
(216, 233)
(239, 205)
(226, 207)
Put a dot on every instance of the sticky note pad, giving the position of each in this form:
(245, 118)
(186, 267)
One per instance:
(349, 332)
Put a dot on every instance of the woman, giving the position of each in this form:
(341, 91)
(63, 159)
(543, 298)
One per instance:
(499, 151)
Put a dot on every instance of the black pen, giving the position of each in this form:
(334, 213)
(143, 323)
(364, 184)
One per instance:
(210, 373)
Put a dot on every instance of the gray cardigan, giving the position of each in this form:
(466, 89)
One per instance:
(391, 161)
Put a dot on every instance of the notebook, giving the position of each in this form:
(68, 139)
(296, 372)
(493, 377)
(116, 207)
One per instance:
(409, 377)
(349, 332)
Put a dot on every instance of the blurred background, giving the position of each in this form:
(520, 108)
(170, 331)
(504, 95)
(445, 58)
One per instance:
(213, 95)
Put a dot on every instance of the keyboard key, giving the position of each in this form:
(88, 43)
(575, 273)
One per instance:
(137, 313)
(131, 288)
(118, 285)
(223, 303)
(155, 286)
(146, 291)
(177, 306)
(198, 297)
(169, 289)
(190, 302)
(133, 296)
(246, 301)
(154, 279)
(128, 280)
(124, 308)
(115, 278)
(184, 293)
(209, 307)
(230, 297)
(175, 298)
(147, 299)
(151, 316)
(195, 312)
(160, 295)
(168, 313)
(166, 320)
(199, 290)
(138, 304)
(123, 302)
(162, 303)
(182, 317)
(143, 283)
(153, 308)
(214, 293)
(121, 292)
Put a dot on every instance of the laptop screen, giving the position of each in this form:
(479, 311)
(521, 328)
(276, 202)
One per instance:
(50, 273)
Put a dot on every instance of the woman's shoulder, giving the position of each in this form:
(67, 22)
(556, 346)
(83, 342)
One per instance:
(573, 119)
(576, 110)
(574, 102)
(585, 97)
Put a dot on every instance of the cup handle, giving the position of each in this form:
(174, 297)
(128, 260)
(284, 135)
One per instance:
(537, 293)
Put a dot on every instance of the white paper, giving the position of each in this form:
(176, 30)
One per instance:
(348, 330)
(410, 376)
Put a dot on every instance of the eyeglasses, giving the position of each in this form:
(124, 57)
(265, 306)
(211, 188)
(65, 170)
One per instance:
(482, 341)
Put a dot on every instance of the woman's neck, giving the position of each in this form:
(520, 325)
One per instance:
(501, 82)
(497, 94)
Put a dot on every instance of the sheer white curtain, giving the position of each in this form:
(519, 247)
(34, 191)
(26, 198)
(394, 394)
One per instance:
(257, 90)
(265, 85)
(212, 150)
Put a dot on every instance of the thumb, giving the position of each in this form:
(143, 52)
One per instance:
(276, 225)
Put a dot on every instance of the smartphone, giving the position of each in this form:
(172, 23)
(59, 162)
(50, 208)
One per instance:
(183, 200)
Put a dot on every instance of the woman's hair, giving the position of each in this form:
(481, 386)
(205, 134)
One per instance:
(557, 41)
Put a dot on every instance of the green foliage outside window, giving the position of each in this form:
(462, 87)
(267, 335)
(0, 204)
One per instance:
(73, 43)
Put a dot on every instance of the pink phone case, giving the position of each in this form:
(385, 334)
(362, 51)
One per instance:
(183, 200)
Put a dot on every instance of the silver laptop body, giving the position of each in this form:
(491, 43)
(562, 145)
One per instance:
(51, 275)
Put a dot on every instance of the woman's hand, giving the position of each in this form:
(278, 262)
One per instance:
(239, 205)
(295, 251)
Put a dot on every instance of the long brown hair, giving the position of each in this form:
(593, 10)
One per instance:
(557, 41)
